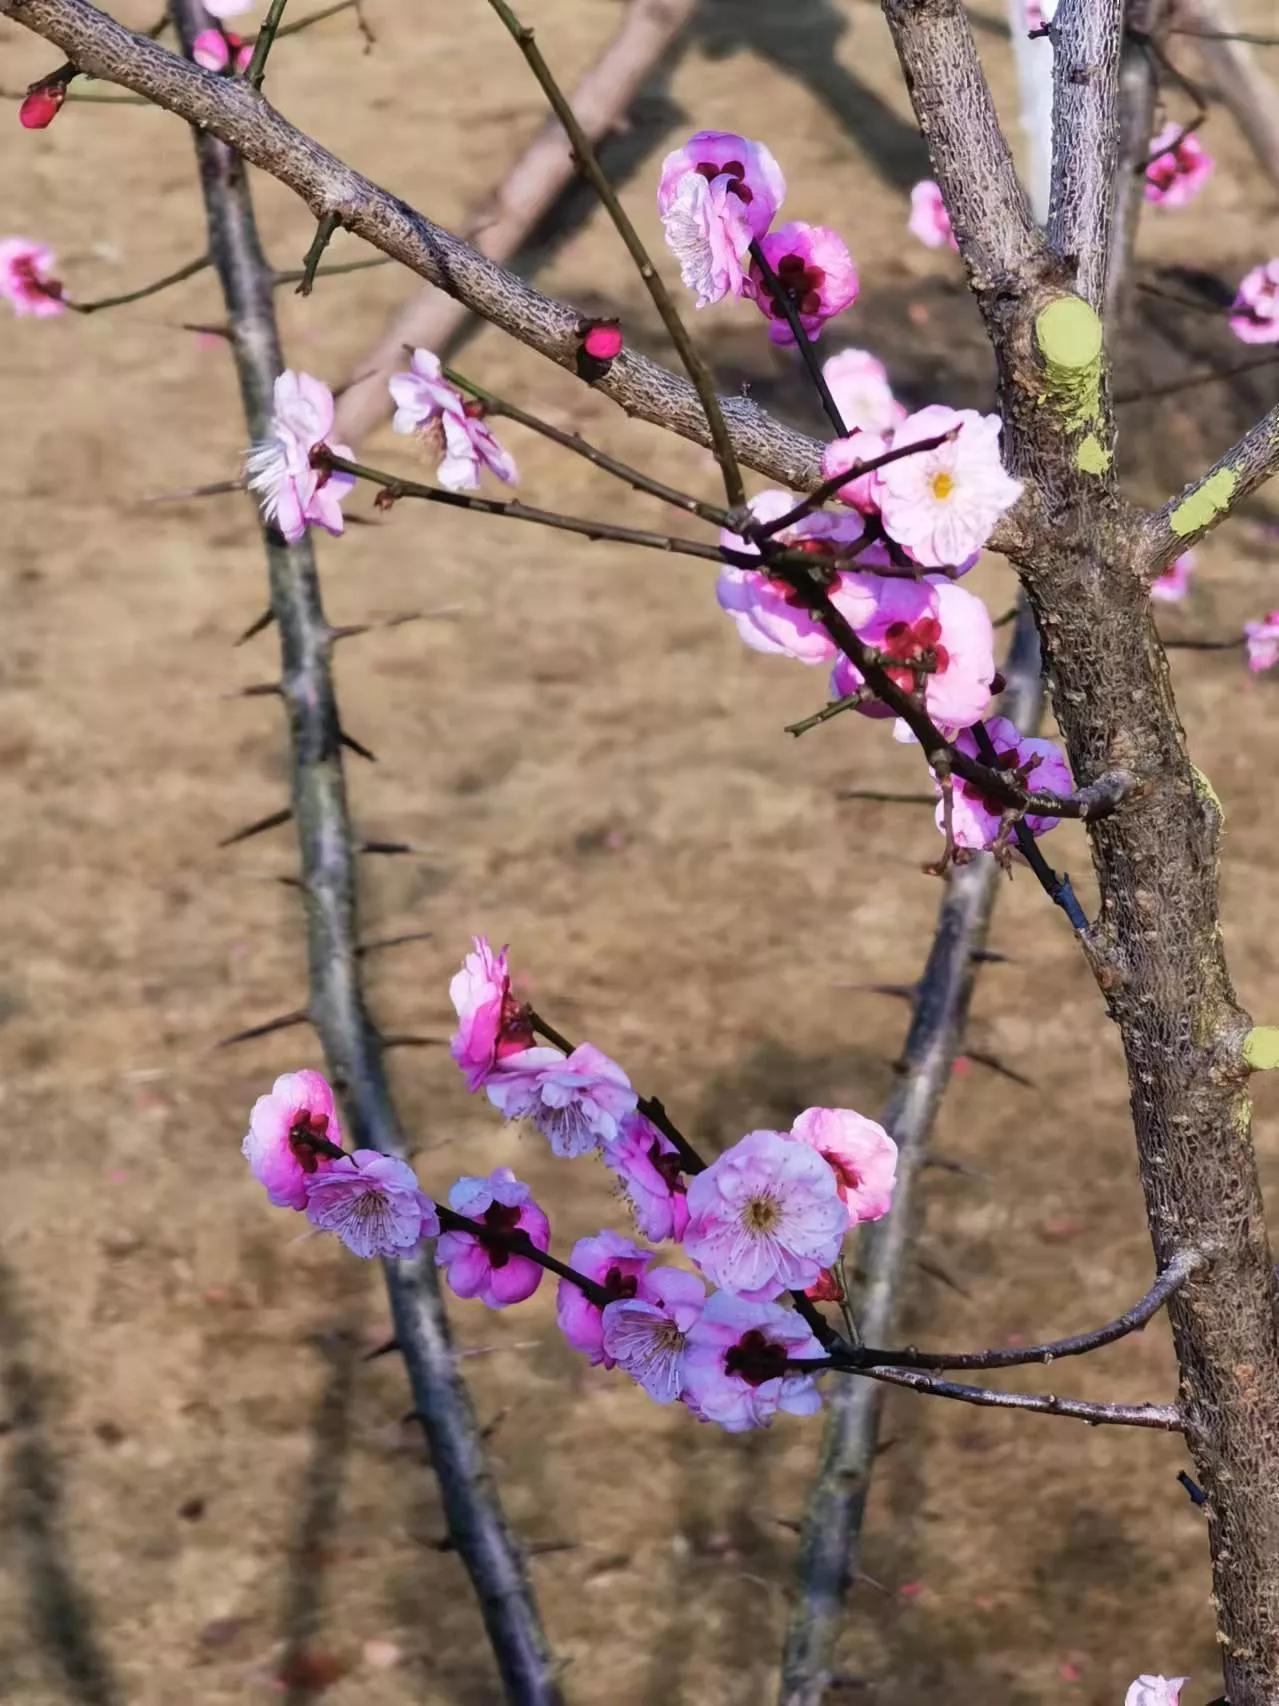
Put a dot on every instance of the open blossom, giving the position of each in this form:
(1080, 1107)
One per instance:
(1156, 1691)
(1173, 585)
(977, 817)
(373, 1203)
(715, 194)
(26, 278)
(1178, 169)
(483, 1264)
(289, 1133)
(213, 49)
(765, 1216)
(492, 1024)
(919, 623)
(769, 614)
(929, 220)
(577, 1101)
(616, 1264)
(1262, 641)
(427, 405)
(647, 1167)
(858, 381)
(291, 492)
(814, 269)
(1254, 316)
(942, 504)
(647, 1335)
(735, 1366)
(859, 1152)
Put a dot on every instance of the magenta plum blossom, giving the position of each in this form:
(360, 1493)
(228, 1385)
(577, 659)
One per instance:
(929, 220)
(1178, 169)
(765, 1216)
(976, 817)
(213, 49)
(735, 1366)
(1156, 1691)
(290, 1134)
(1173, 585)
(291, 492)
(577, 1102)
(483, 1264)
(942, 504)
(41, 105)
(1262, 641)
(937, 633)
(647, 1167)
(492, 1024)
(858, 381)
(814, 270)
(373, 1203)
(716, 194)
(768, 613)
(428, 406)
(1254, 316)
(647, 1336)
(616, 1264)
(26, 278)
(841, 455)
(859, 1152)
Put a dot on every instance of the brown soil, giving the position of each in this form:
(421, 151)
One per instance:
(205, 1488)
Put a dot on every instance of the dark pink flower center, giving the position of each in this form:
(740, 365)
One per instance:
(308, 1139)
(846, 1175)
(500, 1221)
(1006, 760)
(665, 1163)
(914, 643)
(735, 171)
(514, 1028)
(802, 282)
(25, 272)
(617, 1284)
(756, 1359)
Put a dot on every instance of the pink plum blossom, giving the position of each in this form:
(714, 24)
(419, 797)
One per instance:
(1156, 1691)
(858, 381)
(226, 8)
(647, 1336)
(427, 405)
(977, 817)
(768, 613)
(1255, 314)
(577, 1102)
(765, 1216)
(1179, 167)
(1173, 585)
(1262, 641)
(942, 504)
(483, 1264)
(291, 492)
(26, 280)
(717, 193)
(814, 269)
(929, 220)
(916, 621)
(647, 1167)
(735, 1369)
(492, 1024)
(213, 49)
(373, 1203)
(289, 1132)
(617, 1265)
(859, 1152)
(842, 455)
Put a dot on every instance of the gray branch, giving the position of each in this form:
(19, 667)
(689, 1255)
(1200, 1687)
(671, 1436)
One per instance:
(1085, 37)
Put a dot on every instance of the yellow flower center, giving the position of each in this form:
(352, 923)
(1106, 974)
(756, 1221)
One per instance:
(943, 485)
(762, 1214)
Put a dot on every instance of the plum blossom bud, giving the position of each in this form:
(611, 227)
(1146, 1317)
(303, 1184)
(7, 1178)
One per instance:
(492, 1024)
(1179, 167)
(1254, 316)
(215, 50)
(600, 344)
(735, 1366)
(1262, 641)
(293, 1136)
(1173, 585)
(25, 278)
(42, 104)
(929, 220)
(858, 381)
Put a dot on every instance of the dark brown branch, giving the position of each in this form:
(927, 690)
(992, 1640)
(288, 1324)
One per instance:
(1210, 499)
(143, 291)
(1163, 1416)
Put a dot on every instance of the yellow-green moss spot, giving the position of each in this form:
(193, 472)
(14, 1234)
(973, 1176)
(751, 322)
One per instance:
(1261, 1048)
(1196, 512)
(1092, 456)
(1205, 790)
(1068, 333)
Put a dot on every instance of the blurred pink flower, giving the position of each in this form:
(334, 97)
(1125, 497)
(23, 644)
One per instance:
(213, 49)
(647, 1167)
(577, 1102)
(617, 1265)
(942, 504)
(41, 105)
(1173, 585)
(1262, 641)
(714, 195)
(1156, 1691)
(1176, 174)
(1255, 314)
(227, 8)
(492, 1024)
(841, 455)
(291, 492)
(427, 405)
(373, 1203)
(977, 817)
(735, 1365)
(814, 269)
(647, 1335)
(858, 381)
(916, 620)
(765, 1216)
(26, 280)
(283, 1128)
(929, 220)
(859, 1152)
(483, 1264)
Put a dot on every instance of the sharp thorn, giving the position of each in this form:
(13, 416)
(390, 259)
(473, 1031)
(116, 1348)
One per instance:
(902, 991)
(991, 957)
(258, 828)
(263, 621)
(349, 632)
(934, 1269)
(993, 1063)
(382, 1350)
(290, 882)
(407, 1040)
(490, 1428)
(281, 1024)
(356, 746)
(410, 1416)
(947, 1164)
(259, 690)
(394, 941)
(388, 847)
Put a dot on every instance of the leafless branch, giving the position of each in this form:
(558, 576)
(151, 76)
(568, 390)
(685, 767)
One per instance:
(1210, 499)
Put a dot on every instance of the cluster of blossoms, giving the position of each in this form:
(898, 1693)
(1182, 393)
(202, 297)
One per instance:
(718, 196)
(768, 1216)
(1178, 168)
(1254, 315)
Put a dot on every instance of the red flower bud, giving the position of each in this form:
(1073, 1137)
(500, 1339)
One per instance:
(604, 342)
(40, 107)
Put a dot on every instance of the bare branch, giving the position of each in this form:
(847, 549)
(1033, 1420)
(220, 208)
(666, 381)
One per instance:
(1164, 1416)
(1240, 82)
(1210, 499)
(1086, 36)
(1138, 89)
(189, 270)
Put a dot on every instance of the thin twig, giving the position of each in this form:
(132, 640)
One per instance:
(325, 226)
(317, 17)
(790, 313)
(820, 494)
(1195, 380)
(1163, 1416)
(263, 42)
(189, 270)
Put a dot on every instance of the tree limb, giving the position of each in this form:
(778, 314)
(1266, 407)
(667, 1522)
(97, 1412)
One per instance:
(1185, 519)
(1085, 36)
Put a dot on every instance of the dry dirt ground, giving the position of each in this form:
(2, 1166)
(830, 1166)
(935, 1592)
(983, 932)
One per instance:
(207, 1495)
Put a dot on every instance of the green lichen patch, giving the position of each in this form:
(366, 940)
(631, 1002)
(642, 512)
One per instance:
(1092, 456)
(1068, 333)
(1198, 511)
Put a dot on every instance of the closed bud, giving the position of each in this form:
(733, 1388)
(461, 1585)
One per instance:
(41, 105)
